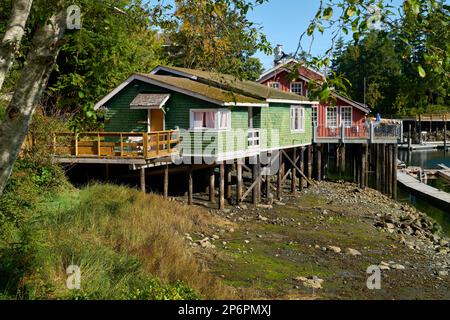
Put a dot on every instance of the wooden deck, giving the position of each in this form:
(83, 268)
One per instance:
(423, 190)
(114, 147)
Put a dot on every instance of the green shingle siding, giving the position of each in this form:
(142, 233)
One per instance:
(120, 118)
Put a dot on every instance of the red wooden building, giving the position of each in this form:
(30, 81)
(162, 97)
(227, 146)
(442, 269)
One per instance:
(342, 121)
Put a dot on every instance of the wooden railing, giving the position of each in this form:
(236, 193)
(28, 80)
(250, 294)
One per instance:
(116, 144)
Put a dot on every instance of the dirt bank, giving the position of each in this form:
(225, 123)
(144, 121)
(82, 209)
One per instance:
(319, 244)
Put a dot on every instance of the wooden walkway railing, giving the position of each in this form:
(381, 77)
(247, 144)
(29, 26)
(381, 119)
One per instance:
(116, 144)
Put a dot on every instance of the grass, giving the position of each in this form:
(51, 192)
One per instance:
(128, 246)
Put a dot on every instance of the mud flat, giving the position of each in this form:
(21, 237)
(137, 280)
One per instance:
(319, 243)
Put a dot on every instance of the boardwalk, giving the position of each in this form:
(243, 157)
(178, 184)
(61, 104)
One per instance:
(425, 191)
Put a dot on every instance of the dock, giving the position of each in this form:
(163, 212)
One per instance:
(423, 190)
(436, 145)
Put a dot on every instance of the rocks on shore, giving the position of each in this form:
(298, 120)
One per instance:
(313, 282)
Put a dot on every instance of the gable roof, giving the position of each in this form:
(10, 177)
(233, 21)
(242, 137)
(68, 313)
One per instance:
(284, 68)
(189, 87)
(312, 74)
(233, 84)
(149, 100)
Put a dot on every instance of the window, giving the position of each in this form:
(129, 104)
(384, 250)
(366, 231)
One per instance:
(275, 85)
(332, 117)
(296, 87)
(297, 119)
(346, 116)
(210, 119)
(314, 116)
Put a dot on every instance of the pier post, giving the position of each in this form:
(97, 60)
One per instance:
(445, 134)
(318, 155)
(310, 163)
(389, 170)
(409, 138)
(256, 192)
(212, 187)
(229, 177)
(394, 171)
(280, 175)
(166, 182)
(221, 186)
(190, 187)
(240, 182)
(302, 167)
(294, 172)
(142, 176)
(363, 165)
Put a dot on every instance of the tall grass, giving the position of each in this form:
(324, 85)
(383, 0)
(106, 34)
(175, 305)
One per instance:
(128, 246)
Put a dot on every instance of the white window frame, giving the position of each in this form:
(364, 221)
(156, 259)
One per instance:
(277, 83)
(316, 109)
(298, 111)
(301, 87)
(217, 115)
(326, 117)
(343, 121)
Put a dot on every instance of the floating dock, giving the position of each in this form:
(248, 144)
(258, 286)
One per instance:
(441, 198)
(424, 146)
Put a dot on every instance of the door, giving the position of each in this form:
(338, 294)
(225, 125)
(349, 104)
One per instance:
(156, 120)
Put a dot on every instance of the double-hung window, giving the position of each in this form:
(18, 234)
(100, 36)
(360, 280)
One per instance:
(346, 116)
(274, 84)
(332, 117)
(297, 119)
(296, 87)
(210, 119)
(314, 115)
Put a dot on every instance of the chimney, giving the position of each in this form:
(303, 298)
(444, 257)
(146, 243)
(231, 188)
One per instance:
(278, 55)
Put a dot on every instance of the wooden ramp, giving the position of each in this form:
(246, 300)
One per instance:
(441, 198)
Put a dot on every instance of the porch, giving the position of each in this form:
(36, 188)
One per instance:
(114, 147)
(359, 133)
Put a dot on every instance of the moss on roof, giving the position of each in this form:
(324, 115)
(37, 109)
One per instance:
(205, 90)
(242, 86)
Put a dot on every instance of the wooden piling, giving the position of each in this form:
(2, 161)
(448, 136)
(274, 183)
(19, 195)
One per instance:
(318, 162)
(212, 187)
(166, 182)
(256, 191)
(301, 163)
(310, 163)
(240, 182)
(221, 186)
(363, 166)
(394, 172)
(229, 176)
(142, 176)
(190, 187)
(293, 172)
(280, 175)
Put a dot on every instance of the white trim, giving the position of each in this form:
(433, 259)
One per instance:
(271, 83)
(326, 116)
(216, 120)
(291, 101)
(351, 102)
(351, 115)
(317, 115)
(245, 104)
(165, 86)
(170, 70)
(149, 119)
(301, 87)
(301, 119)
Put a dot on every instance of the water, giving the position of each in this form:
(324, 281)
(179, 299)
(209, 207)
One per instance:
(428, 159)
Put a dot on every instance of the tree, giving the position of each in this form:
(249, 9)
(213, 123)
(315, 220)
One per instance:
(12, 37)
(110, 46)
(40, 62)
(422, 26)
(216, 35)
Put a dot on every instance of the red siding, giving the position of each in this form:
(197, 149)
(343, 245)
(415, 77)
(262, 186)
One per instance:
(358, 116)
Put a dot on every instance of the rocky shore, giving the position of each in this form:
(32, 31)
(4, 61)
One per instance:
(324, 239)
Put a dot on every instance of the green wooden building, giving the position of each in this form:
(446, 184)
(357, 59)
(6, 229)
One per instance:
(218, 117)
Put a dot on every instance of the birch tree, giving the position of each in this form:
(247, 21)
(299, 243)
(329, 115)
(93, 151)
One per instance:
(13, 36)
(32, 82)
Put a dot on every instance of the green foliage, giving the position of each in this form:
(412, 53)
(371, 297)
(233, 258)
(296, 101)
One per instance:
(217, 36)
(407, 45)
(108, 49)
